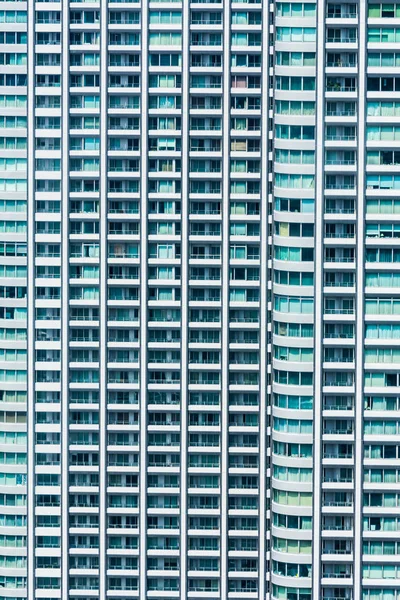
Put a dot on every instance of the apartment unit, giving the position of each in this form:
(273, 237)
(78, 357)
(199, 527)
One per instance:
(199, 300)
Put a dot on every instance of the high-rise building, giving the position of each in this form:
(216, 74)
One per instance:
(133, 300)
(199, 300)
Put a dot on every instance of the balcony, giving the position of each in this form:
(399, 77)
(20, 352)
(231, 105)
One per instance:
(342, 36)
(337, 112)
(341, 85)
(338, 594)
(339, 62)
(337, 403)
(338, 382)
(339, 431)
(341, 11)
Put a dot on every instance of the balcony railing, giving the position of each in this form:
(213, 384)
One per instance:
(341, 113)
(341, 63)
(341, 40)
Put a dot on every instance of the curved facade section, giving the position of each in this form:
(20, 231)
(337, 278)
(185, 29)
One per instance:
(293, 300)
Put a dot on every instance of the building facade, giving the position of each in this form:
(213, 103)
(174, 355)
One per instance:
(200, 215)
